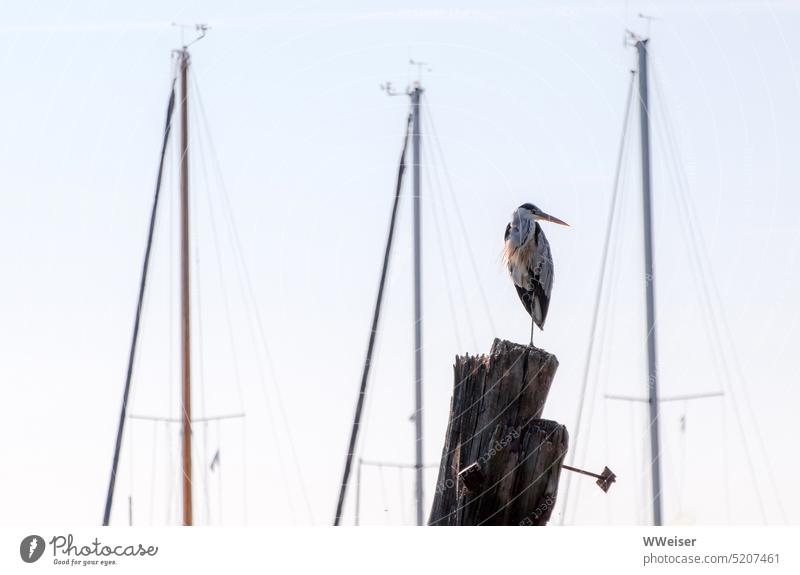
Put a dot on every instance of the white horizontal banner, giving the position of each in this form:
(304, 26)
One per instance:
(231, 550)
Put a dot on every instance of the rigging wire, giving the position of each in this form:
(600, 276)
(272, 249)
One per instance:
(170, 176)
(219, 474)
(172, 395)
(606, 327)
(604, 368)
(142, 284)
(174, 456)
(713, 342)
(445, 267)
(173, 186)
(682, 470)
(698, 275)
(248, 295)
(228, 315)
(387, 516)
(609, 301)
(200, 357)
(173, 464)
(221, 275)
(227, 311)
(153, 475)
(725, 473)
(376, 374)
(599, 292)
(457, 209)
(164, 175)
(373, 331)
(711, 293)
(645, 484)
(635, 460)
(244, 475)
(130, 474)
(171, 477)
(206, 494)
(670, 145)
(609, 508)
(438, 204)
(403, 510)
(726, 383)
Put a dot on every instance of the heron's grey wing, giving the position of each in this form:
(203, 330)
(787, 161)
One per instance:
(540, 268)
(525, 297)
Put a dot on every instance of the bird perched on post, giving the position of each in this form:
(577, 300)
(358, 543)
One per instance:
(530, 263)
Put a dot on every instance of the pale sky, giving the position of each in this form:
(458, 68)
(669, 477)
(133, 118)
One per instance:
(526, 101)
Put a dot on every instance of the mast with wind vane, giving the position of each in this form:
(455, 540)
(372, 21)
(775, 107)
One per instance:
(413, 129)
(186, 331)
(186, 387)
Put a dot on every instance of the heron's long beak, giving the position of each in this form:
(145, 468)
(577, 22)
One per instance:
(549, 218)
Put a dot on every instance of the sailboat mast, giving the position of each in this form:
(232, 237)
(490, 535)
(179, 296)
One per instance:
(186, 402)
(418, 467)
(652, 373)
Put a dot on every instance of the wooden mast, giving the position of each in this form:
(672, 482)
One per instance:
(186, 402)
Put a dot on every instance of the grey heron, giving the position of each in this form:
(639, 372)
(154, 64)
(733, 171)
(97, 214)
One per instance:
(530, 263)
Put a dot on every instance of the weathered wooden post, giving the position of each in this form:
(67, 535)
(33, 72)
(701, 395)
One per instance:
(501, 462)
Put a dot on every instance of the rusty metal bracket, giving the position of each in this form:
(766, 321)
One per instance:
(604, 480)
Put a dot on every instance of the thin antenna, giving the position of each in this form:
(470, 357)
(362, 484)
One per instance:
(420, 66)
(649, 20)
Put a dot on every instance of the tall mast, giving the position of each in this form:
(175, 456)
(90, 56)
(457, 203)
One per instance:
(415, 98)
(186, 402)
(652, 373)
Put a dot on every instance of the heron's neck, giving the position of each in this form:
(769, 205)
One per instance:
(521, 228)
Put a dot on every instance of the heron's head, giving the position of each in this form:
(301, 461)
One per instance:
(538, 214)
(522, 223)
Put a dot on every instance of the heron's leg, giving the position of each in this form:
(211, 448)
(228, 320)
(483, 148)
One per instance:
(532, 323)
